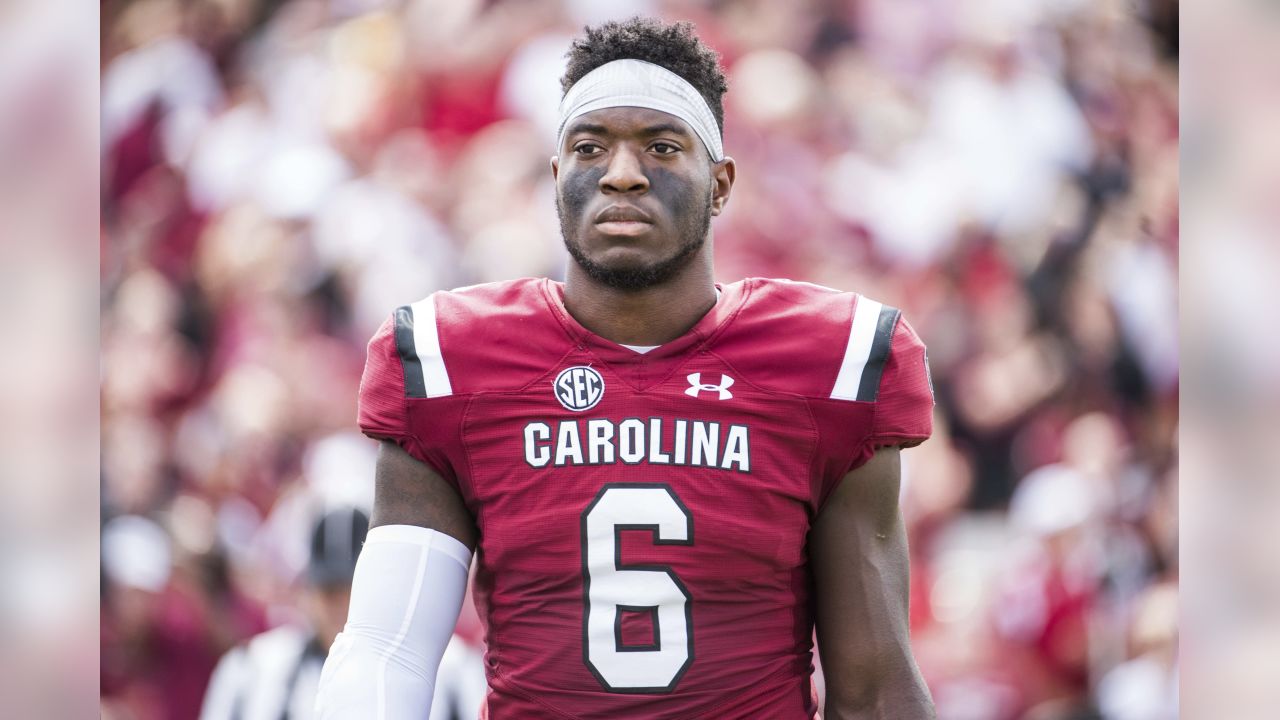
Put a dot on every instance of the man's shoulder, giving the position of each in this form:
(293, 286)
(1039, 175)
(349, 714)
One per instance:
(500, 294)
(799, 337)
(484, 308)
(796, 300)
(477, 338)
(504, 301)
(786, 287)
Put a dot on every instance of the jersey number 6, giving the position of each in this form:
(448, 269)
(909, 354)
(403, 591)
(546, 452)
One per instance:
(613, 588)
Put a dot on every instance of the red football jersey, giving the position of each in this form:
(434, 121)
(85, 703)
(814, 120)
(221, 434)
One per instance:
(643, 517)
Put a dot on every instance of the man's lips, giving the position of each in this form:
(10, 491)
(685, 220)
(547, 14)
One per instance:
(622, 213)
(627, 227)
(625, 220)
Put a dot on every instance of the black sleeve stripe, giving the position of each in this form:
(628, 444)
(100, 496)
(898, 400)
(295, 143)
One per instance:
(886, 323)
(414, 384)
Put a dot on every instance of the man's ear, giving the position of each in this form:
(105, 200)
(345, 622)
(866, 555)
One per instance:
(723, 174)
(555, 167)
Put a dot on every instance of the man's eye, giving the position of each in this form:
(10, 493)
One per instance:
(587, 149)
(665, 148)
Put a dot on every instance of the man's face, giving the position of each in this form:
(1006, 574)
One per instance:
(635, 191)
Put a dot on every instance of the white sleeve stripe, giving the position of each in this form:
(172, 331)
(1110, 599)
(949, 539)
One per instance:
(405, 622)
(426, 344)
(862, 335)
(425, 537)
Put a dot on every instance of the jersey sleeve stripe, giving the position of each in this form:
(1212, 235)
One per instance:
(869, 387)
(870, 336)
(426, 338)
(418, 342)
(413, 385)
(861, 336)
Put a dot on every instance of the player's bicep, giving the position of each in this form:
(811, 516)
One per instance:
(858, 550)
(408, 492)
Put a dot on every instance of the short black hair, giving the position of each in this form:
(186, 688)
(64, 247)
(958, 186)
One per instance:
(674, 46)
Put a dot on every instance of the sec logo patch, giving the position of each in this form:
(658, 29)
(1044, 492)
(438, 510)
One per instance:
(578, 388)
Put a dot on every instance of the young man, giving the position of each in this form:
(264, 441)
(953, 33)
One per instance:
(666, 482)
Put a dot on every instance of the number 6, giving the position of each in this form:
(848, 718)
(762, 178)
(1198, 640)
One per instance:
(612, 586)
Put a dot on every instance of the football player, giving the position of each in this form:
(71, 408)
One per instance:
(667, 482)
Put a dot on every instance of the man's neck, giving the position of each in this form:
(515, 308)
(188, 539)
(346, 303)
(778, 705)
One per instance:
(652, 316)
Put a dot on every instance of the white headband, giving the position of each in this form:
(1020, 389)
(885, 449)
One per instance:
(636, 83)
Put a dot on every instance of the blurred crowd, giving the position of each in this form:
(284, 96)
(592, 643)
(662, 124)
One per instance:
(278, 175)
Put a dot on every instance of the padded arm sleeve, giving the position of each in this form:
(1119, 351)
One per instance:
(405, 598)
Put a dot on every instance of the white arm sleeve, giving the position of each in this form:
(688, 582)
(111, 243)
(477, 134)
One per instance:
(405, 599)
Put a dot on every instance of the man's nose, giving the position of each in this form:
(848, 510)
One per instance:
(625, 173)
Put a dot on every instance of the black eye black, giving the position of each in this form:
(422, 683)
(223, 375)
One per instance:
(587, 149)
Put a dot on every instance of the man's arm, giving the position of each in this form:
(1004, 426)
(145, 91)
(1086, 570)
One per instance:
(408, 588)
(858, 547)
(407, 492)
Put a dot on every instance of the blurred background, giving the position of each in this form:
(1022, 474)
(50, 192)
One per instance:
(277, 175)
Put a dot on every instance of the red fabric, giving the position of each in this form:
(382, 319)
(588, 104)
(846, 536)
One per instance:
(746, 566)
(637, 629)
(904, 407)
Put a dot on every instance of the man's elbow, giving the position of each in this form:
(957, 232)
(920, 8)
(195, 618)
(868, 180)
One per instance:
(364, 672)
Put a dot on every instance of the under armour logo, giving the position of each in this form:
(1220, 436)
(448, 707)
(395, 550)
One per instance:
(696, 386)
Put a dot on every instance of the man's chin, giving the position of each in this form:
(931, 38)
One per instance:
(625, 277)
(630, 268)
